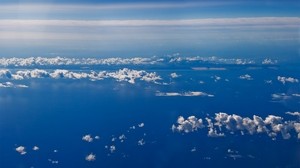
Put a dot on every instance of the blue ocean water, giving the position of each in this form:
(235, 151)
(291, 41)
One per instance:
(55, 114)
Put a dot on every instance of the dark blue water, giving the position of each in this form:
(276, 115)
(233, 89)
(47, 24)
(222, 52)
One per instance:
(55, 114)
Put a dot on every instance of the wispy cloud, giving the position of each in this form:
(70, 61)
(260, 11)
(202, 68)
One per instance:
(217, 22)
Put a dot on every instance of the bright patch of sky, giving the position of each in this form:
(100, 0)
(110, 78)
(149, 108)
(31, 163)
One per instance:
(133, 28)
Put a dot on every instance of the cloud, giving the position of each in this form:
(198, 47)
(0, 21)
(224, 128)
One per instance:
(191, 124)
(296, 113)
(174, 75)
(141, 142)
(90, 157)
(122, 138)
(280, 96)
(273, 22)
(141, 125)
(296, 95)
(21, 150)
(246, 77)
(112, 148)
(59, 61)
(11, 85)
(124, 74)
(87, 138)
(287, 79)
(223, 123)
(35, 148)
(187, 94)
(268, 61)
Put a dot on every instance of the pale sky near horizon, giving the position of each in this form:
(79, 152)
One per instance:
(146, 28)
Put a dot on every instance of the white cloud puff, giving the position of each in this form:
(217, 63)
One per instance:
(287, 79)
(35, 148)
(174, 75)
(90, 157)
(87, 138)
(141, 142)
(268, 61)
(246, 77)
(21, 150)
(191, 124)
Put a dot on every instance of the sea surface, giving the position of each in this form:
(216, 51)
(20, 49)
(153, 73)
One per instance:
(133, 121)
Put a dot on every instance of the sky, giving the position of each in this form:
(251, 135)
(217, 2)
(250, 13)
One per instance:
(145, 28)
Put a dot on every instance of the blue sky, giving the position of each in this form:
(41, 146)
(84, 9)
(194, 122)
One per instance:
(146, 28)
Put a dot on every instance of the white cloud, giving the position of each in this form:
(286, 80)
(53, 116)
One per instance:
(141, 142)
(296, 113)
(268, 61)
(280, 96)
(188, 94)
(296, 94)
(193, 149)
(122, 138)
(246, 77)
(141, 125)
(35, 148)
(191, 124)
(112, 149)
(174, 75)
(287, 79)
(87, 138)
(223, 123)
(97, 137)
(90, 157)
(21, 150)
(124, 74)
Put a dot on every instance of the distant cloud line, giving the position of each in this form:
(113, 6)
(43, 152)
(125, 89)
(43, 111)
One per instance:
(224, 123)
(58, 61)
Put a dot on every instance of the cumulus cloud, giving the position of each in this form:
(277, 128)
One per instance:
(191, 124)
(188, 94)
(287, 79)
(87, 138)
(90, 157)
(35, 148)
(174, 75)
(268, 61)
(246, 77)
(124, 74)
(223, 123)
(112, 148)
(141, 125)
(21, 150)
(141, 142)
(122, 138)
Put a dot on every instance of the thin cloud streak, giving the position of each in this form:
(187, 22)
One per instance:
(254, 21)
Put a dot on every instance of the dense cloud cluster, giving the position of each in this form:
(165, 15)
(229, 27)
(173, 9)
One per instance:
(223, 122)
(190, 124)
(124, 74)
(284, 80)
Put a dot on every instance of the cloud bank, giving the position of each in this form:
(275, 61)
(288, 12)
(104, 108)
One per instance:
(125, 74)
(224, 123)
